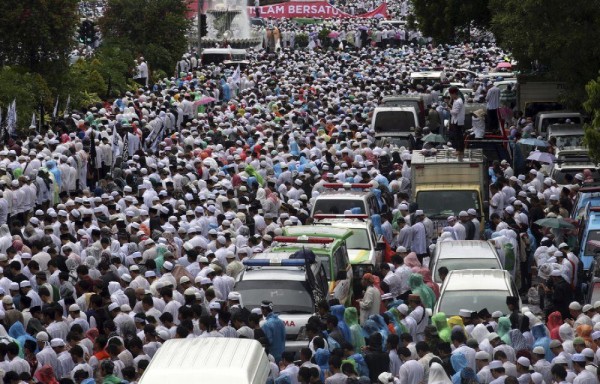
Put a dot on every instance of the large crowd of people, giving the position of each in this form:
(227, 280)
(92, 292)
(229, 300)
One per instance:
(125, 224)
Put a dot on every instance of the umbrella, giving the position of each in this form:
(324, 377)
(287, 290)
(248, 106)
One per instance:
(504, 65)
(204, 100)
(554, 222)
(534, 142)
(434, 138)
(333, 34)
(542, 157)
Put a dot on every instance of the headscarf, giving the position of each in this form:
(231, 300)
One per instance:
(542, 340)
(585, 332)
(339, 312)
(554, 322)
(415, 281)
(441, 324)
(459, 362)
(517, 340)
(411, 260)
(437, 375)
(45, 375)
(503, 329)
(426, 273)
(357, 336)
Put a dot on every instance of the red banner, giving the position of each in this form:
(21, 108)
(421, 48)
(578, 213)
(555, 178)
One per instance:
(316, 9)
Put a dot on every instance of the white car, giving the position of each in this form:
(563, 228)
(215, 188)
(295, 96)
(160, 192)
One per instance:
(476, 289)
(463, 254)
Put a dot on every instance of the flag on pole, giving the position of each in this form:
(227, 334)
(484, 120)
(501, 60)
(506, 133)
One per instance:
(236, 77)
(115, 144)
(66, 113)
(92, 163)
(126, 146)
(11, 120)
(33, 122)
(55, 112)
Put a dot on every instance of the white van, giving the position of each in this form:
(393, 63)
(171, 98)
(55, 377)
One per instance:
(210, 360)
(394, 125)
(544, 119)
(222, 55)
(427, 77)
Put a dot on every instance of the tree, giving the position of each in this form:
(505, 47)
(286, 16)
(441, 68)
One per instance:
(154, 29)
(28, 89)
(592, 130)
(551, 36)
(447, 20)
(37, 35)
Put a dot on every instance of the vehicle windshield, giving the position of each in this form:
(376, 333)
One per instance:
(359, 239)
(452, 302)
(287, 296)
(394, 121)
(590, 250)
(559, 120)
(565, 141)
(338, 206)
(561, 176)
(393, 141)
(215, 58)
(443, 203)
(459, 264)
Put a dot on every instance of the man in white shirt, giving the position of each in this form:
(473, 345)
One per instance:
(492, 99)
(457, 121)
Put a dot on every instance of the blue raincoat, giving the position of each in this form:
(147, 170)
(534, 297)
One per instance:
(274, 329)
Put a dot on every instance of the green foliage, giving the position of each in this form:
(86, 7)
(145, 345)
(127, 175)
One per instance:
(28, 89)
(592, 130)
(446, 20)
(302, 40)
(154, 29)
(37, 34)
(561, 38)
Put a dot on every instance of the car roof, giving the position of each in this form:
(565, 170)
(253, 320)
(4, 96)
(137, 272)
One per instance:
(345, 223)
(394, 109)
(275, 272)
(346, 194)
(230, 359)
(477, 279)
(318, 231)
(465, 249)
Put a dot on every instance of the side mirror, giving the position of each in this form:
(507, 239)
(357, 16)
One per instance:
(486, 207)
(380, 247)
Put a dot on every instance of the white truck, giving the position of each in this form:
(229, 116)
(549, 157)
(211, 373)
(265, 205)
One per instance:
(443, 185)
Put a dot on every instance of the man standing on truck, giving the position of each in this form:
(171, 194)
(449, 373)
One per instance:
(457, 122)
(492, 100)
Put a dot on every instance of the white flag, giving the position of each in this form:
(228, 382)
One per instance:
(55, 112)
(67, 106)
(115, 143)
(33, 121)
(236, 75)
(11, 119)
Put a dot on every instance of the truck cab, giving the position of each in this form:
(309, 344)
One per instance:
(365, 247)
(544, 119)
(443, 185)
(329, 248)
(394, 124)
(340, 197)
(294, 280)
(566, 135)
